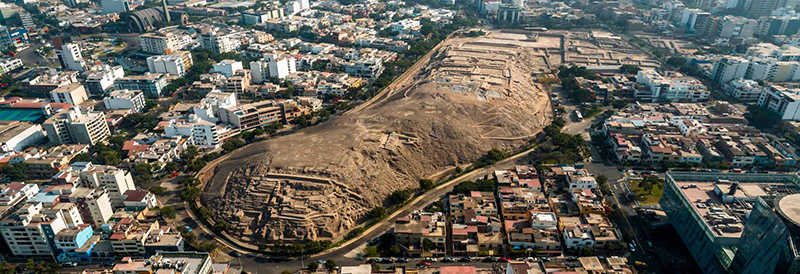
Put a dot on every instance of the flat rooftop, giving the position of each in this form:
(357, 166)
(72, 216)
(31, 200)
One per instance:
(723, 200)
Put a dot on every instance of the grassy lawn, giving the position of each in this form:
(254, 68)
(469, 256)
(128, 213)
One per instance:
(644, 197)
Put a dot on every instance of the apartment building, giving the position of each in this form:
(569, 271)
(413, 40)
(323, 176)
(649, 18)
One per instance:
(125, 99)
(209, 107)
(70, 57)
(227, 67)
(159, 43)
(153, 149)
(15, 193)
(239, 82)
(176, 64)
(75, 126)
(115, 181)
(73, 93)
(253, 115)
(75, 244)
(30, 233)
(53, 161)
(273, 66)
(219, 43)
(744, 90)
(102, 81)
(8, 65)
(130, 237)
(93, 205)
(413, 230)
(370, 67)
(203, 133)
(729, 68)
(782, 100)
(674, 86)
(150, 84)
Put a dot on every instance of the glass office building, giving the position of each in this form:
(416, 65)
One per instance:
(736, 222)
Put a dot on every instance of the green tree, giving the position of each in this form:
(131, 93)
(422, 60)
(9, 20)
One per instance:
(221, 225)
(676, 61)
(400, 196)
(232, 144)
(377, 212)
(14, 172)
(425, 184)
(330, 265)
(646, 185)
(168, 212)
(172, 166)
(190, 193)
(157, 190)
(629, 69)
(190, 153)
(81, 157)
(762, 118)
(313, 266)
(428, 245)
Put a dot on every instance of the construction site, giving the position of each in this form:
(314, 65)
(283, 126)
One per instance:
(467, 96)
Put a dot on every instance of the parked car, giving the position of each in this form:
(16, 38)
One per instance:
(69, 264)
(465, 259)
(423, 264)
(632, 247)
(386, 260)
(431, 259)
(490, 259)
(530, 259)
(401, 260)
(448, 260)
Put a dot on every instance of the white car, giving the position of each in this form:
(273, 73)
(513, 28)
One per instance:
(633, 247)
(431, 259)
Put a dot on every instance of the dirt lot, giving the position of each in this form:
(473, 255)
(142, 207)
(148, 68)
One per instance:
(469, 96)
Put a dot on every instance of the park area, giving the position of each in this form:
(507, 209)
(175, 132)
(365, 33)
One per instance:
(647, 190)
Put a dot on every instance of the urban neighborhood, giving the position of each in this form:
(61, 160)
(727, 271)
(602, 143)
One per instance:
(398, 136)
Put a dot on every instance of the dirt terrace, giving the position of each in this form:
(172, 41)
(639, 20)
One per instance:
(468, 96)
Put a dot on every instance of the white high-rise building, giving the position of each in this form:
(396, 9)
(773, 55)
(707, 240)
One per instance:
(204, 133)
(159, 43)
(219, 43)
(674, 86)
(114, 180)
(729, 68)
(169, 64)
(76, 127)
(227, 67)
(30, 232)
(101, 81)
(273, 66)
(70, 57)
(125, 99)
